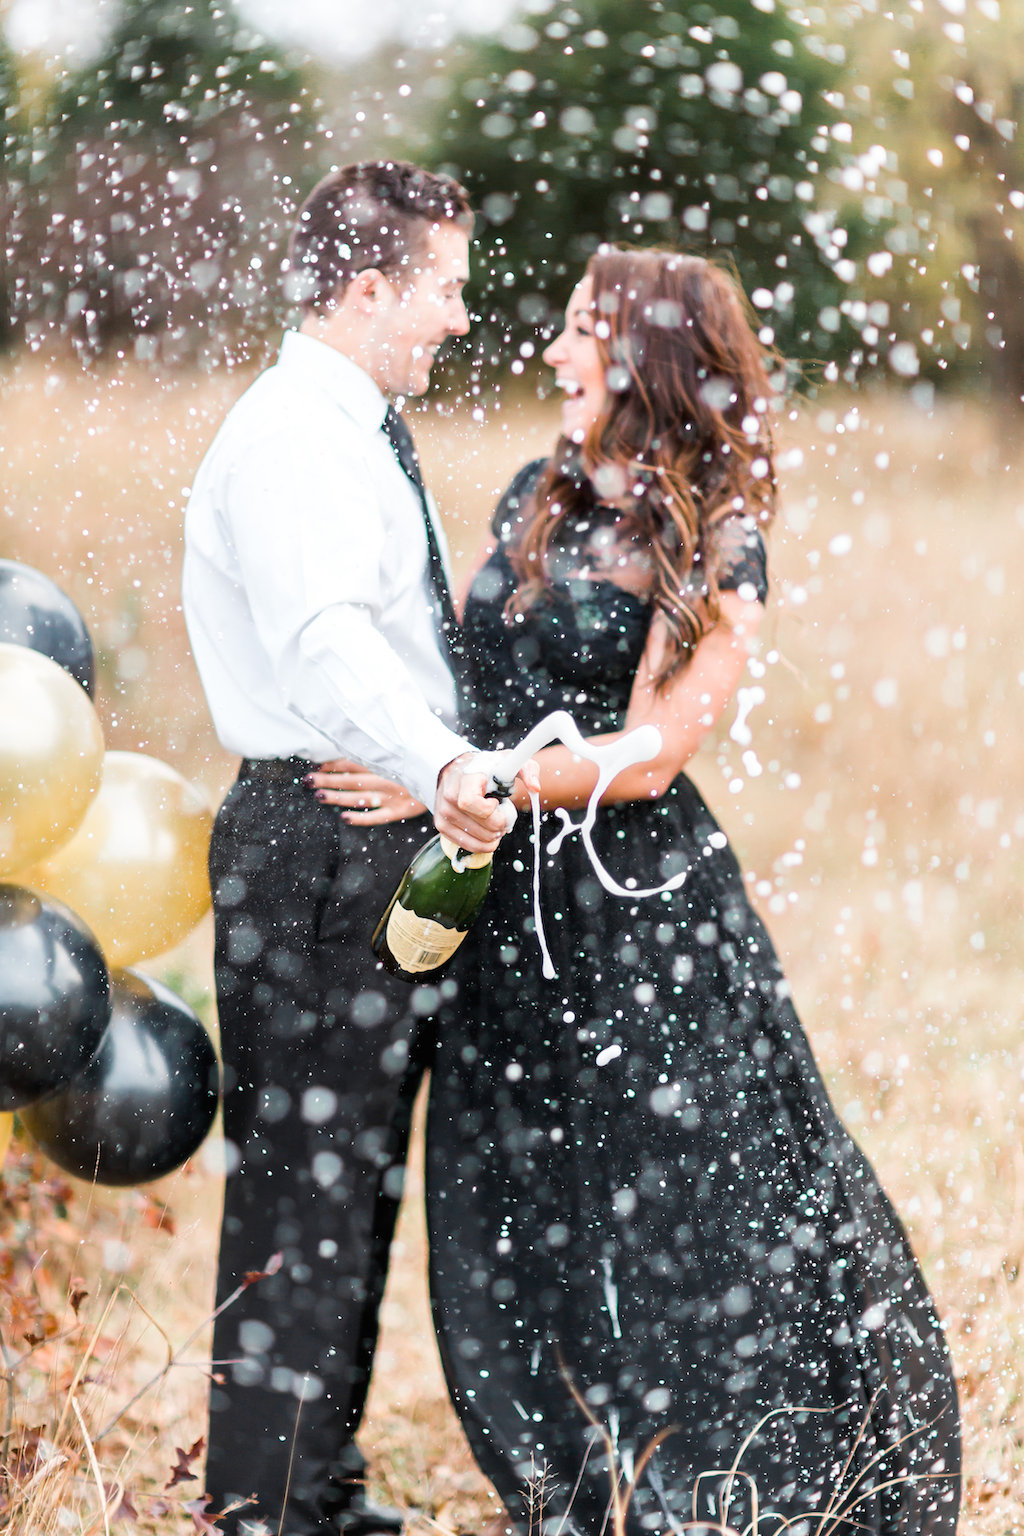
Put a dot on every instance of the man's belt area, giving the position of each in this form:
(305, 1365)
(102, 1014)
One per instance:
(281, 770)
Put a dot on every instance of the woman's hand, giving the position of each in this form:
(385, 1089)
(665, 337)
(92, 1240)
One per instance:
(364, 797)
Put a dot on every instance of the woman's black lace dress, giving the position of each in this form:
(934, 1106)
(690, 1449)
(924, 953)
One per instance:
(645, 1217)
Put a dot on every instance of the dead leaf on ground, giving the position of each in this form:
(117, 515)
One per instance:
(123, 1509)
(182, 1471)
(200, 1519)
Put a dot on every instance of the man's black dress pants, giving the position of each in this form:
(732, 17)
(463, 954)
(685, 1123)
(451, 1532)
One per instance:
(323, 1052)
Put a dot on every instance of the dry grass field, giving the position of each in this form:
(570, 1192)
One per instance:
(877, 810)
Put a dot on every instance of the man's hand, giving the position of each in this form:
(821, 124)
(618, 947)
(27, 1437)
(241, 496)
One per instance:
(462, 811)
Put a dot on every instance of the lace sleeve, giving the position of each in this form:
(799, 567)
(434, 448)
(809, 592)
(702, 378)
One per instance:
(742, 557)
(515, 503)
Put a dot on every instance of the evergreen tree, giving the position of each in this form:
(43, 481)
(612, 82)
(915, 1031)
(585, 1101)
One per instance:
(13, 148)
(169, 175)
(701, 124)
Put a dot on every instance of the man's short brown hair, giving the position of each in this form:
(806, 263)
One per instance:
(373, 214)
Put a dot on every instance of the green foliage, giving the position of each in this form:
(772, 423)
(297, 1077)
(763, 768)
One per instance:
(13, 147)
(171, 67)
(9, 104)
(166, 182)
(936, 171)
(699, 124)
(184, 981)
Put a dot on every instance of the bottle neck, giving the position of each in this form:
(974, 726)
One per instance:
(460, 859)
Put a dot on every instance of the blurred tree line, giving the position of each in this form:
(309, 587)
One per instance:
(934, 96)
(861, 167)
(147, 200)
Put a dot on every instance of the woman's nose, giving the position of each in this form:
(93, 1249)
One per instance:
(554, 352)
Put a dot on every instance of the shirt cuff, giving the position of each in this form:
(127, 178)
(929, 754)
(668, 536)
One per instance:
(434, 750)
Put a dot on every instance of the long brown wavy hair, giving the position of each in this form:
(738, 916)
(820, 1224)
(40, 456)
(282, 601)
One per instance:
(686, 418)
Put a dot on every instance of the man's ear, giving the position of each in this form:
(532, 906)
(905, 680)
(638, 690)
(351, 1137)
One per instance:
(368, 291)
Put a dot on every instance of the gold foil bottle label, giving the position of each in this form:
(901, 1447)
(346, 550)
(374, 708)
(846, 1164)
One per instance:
(419, 943)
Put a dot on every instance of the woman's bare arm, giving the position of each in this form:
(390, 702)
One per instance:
(684, 712)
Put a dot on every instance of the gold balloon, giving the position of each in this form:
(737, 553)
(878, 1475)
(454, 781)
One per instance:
(6, 1127)
(135, 871)
(51, 756)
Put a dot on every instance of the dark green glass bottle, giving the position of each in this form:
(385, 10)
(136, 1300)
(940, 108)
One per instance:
(430, 913)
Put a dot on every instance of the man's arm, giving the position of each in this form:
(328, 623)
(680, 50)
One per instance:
(311, 545)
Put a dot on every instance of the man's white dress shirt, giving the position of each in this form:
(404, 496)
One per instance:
(307, 592)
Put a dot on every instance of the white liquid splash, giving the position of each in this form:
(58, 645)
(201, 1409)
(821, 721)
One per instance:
(747, 699)
(611, 1297)
(547, 964)
(611, 757)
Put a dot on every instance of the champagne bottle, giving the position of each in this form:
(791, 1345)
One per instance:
(443, 889)
(430, 913)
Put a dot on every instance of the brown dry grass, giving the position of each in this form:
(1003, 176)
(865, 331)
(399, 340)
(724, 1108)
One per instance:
(882, 837)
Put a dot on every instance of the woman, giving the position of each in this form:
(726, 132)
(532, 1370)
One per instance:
(658, 1262)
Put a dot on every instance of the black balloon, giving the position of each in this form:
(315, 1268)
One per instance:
(54, 996)
(36, 613)
(147, 1098)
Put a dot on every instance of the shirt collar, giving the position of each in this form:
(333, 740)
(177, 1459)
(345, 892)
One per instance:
(347, 384)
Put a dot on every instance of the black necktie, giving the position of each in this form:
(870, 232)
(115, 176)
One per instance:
(400, 438)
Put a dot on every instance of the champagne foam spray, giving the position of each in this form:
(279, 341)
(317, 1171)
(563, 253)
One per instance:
(636, 746)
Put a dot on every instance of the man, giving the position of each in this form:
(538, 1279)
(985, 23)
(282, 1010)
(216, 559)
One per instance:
(319, 617)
